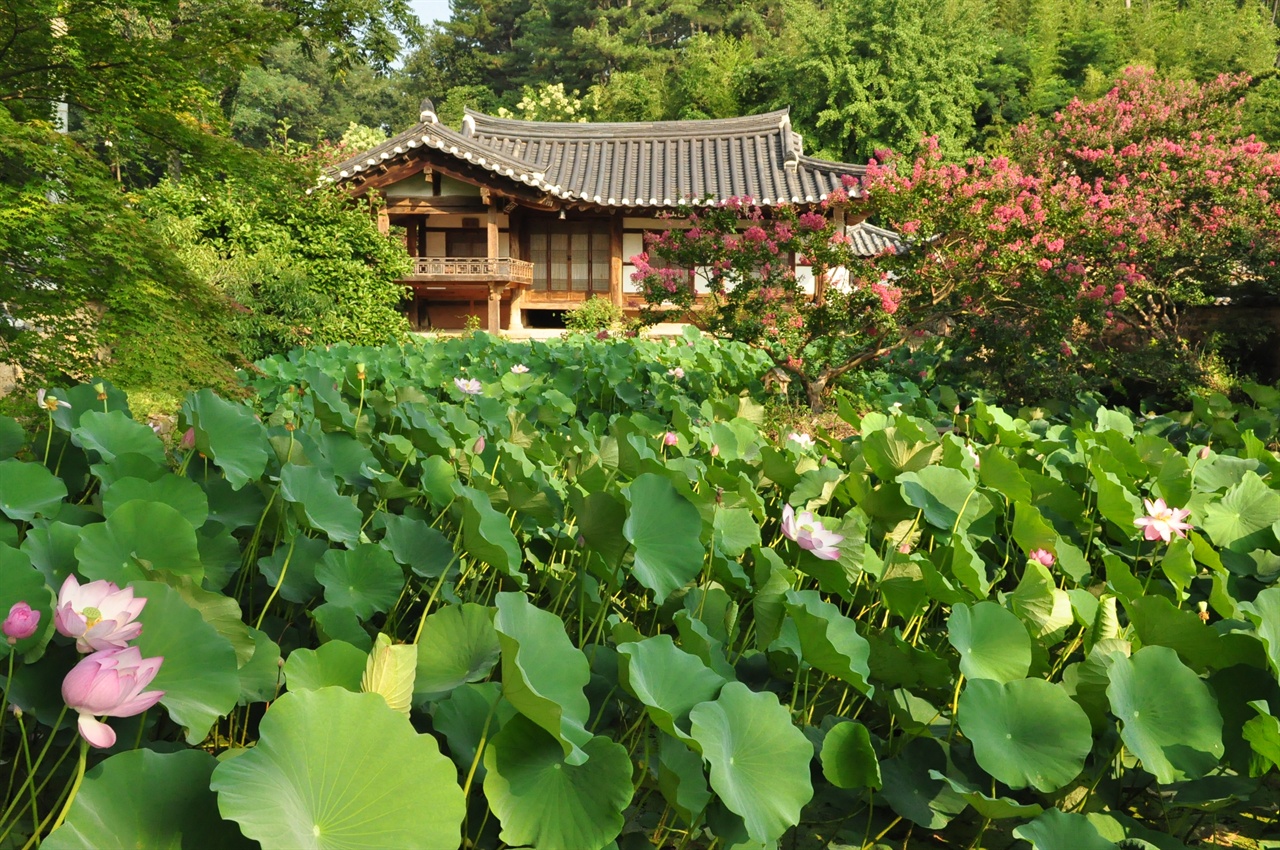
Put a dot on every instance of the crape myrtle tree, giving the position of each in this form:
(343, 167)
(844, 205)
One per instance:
(742, 254)
(1069, 264)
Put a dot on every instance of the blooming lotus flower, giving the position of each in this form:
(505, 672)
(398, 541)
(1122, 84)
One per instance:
(1162, 521)
(804, 441)
(110, 683)
(519, 369)
(676, 373)
(21, 622)
(670, 438)
(1041, 556)
(98, 615)
(49, 401)
(470, 386)
(809, 533)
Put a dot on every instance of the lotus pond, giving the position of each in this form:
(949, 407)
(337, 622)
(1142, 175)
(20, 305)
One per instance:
(572, 596)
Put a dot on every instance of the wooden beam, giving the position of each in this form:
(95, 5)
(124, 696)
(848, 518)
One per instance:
(443, 205)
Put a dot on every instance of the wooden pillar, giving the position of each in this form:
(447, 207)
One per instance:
(493, 229)
(515, 224)
(615, 261)
(411, 237)
(495, 307)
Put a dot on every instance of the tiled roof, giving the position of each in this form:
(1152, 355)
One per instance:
(648, 164)
(871, 241)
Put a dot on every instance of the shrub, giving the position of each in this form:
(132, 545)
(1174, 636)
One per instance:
(594, 314)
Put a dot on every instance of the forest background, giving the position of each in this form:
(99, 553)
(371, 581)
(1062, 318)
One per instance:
(181, 205)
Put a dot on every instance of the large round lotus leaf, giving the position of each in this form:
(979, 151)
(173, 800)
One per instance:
(911, 789)
(21, 582)
(199, 674)
(759, 760)
(470, 715)
(27, 489)
(682, 779)
(1025, 732)
(486, 533)
(139, 534)
(457, 645)
(230, 434)
(663, 527)
(336, 663)
(830, 640)
(545, 802)
(335, 770)
(668, 680)
(12, 437)
(1242, 520)
(991, 640)
(1057, 830)
(323, 507)
(155, 801)
(260, 678)
(365, 579)
(543, 673)
(1168, 714)
(417, 545)
(848, 759)
(950, 500)
(292, 567)
(181, 494)
(116, 433)
(52, 549)
(996, 808)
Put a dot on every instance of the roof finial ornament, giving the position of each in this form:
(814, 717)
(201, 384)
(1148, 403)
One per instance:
(468, 125)
(427, 113)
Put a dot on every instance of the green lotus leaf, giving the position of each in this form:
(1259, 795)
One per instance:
(967, 566)
(911, 790)
(950, 500)
(1263, 734)
(365, 579)
(664, 528)
(542, 800)
(1057, 830)
(317, 497)
(471, 715)
(1031, 530)
(992, 642)
(1027, 732)
(221, 612)
(22, 582)
(848, 759)
(829, 640)
(12, 437)
(996, 808)
(668, 680)
(27, 489)
(1201, 648)
(1242, 519)
(333, 664)
(260, 677)
(338, 622)
(292, 567)
(390, 672)
(52, 549)
(1041, 604)
(418, 546)
(230, 435)
(600, 520)
(682, 778)
(486, 534)
(150, 800)
(1117, 502)
(181, 494)
(759, 760)
(696, 638)
(1003, 475)
(335, 770)
(139, 536)
(1264, 612)
(457, 645)
(736, 531)
(543, 673)
(200, 674)
(116, 433)
(1168, 714)
(890, 454)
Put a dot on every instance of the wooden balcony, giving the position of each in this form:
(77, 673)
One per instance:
(452, 270)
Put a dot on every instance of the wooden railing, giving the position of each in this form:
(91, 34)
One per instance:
(467, 269)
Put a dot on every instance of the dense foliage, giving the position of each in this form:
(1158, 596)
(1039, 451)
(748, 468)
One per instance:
(562, 596)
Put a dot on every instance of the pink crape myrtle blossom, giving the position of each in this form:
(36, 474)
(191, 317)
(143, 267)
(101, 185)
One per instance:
(470, 386)
(1162, 521)
(21, 622)
(99, 615)
(809, 533)
(1041, 556)
(110, 683)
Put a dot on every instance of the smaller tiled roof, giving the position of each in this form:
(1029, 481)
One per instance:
(871, 241)
(630, 165)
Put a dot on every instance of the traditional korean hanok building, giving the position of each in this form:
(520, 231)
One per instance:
(516, 221)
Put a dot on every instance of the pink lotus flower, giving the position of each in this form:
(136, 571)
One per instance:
(109, 683)
(676, 373)
(98, 615)
(519, 369)
(1162, 521)
(804, 441)
(670, 438)
(470, 386)
(1041, 556)
(21, 622)
(50, 402)
(809, 533)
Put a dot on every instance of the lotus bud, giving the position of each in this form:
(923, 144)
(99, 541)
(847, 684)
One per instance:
(478, 447)
(188, 441)
(21, 622)
(1041, 556)
(670, 438)
(1204, 453)
(715, 450)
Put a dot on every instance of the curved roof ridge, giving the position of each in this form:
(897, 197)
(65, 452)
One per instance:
(491, 125)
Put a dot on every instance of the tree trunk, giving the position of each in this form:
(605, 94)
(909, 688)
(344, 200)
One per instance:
(814, 390)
